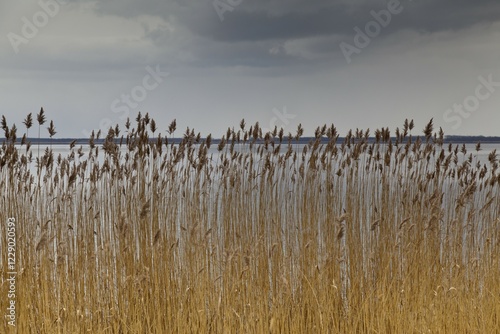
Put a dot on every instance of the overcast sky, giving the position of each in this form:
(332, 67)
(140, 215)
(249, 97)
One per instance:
(279, 62)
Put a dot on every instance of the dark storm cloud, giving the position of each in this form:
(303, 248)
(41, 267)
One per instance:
(322, 18)
(283, 19)
(433, 16)
(252, 28)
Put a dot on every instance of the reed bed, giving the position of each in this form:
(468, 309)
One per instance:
(252, 233)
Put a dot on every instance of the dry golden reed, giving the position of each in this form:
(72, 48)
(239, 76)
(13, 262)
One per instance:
(252, 233)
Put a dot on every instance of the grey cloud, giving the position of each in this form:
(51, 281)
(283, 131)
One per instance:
(272, 19)
(341, 18)
(252, 28)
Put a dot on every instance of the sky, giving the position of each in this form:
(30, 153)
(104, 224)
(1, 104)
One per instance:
(208, 64)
